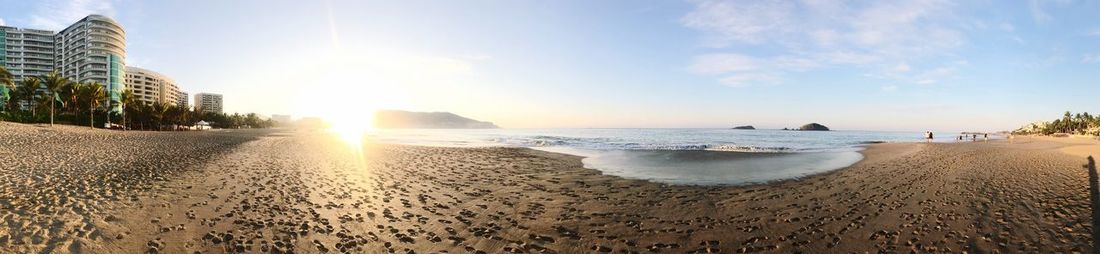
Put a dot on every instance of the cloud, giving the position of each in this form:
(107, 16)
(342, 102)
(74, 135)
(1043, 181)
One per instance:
(890, 88)
(2, 22)
(1090, 58)
(1038, 13)
(59, 14)
(1007, 27)
(934, 75)
(727, 20)
(814, 34)
(748, 79)
(748, 70)
(902, 67)
(724, 63)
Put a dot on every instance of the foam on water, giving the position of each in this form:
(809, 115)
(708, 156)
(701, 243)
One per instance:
(676, 156)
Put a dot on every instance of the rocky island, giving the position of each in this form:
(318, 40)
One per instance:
(744, 127)
(813, 127)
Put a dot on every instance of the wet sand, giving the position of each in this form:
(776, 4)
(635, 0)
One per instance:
(77, 190)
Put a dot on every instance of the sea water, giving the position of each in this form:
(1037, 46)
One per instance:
(676, 156)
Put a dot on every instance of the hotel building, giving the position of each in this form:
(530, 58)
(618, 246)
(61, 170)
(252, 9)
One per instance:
(91, 50)
(208, 102)
(183, 100)
(150, 86)
(26, 52)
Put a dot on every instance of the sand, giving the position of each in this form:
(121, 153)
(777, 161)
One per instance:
(307, 192)
(1074, 145)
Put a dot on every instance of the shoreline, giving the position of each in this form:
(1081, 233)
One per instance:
(902, 180)
(310, 192)
(863, 149)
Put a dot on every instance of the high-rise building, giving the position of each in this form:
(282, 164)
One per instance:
(26, 52)
(150, 86)
(208, 102)
(182, 100)
(91, 50)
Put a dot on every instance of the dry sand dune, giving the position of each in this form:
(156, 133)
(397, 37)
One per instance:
(305, 192)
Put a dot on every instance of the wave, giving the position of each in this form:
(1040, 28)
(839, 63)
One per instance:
(651, 139)
(609, 144)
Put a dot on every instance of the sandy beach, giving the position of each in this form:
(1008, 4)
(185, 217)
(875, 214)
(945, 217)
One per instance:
(75, 190)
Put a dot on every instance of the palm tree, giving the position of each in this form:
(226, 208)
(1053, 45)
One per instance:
(42, 103)
(92, 94)
(5, 75)
(174, 116)
(157, 113)
(7, 85)
(69, 95)
(127, 99)
(53, 82)
(28, 90)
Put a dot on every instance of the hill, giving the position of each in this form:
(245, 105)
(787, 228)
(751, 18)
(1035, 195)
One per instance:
(398, 119)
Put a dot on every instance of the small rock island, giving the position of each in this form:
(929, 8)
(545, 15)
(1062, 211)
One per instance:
(744, 127)
(813, 127)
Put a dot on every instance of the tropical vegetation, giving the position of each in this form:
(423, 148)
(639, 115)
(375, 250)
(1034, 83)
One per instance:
(75, 103)
(1070, 123)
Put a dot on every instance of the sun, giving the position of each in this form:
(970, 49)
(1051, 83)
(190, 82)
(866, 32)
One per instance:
(345, 87)
(351, 129)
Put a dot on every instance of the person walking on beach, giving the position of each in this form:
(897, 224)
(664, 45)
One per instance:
(928, 136)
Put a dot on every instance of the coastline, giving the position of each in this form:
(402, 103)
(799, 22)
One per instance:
(308, 192)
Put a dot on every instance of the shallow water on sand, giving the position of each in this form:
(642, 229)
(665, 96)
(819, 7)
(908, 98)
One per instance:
(712, 167)
(676, 156)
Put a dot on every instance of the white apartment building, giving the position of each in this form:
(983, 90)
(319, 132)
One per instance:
(183, 100)
(26, 52)
(91, 50)
(150, 86)
(94, 50)
(208, 102)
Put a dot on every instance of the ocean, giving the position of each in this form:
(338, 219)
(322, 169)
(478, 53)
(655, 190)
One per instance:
(677, 156)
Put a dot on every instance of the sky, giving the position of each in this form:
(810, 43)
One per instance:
(857, 65)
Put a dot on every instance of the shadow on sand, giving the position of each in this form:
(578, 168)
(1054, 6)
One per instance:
(1094, 196)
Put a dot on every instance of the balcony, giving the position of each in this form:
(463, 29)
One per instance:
(38, 50)
(38, 57)
(36, 39)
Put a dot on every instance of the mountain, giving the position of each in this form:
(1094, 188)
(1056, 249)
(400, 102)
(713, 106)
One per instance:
(398, 119)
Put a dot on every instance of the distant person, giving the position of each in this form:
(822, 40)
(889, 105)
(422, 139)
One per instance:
(985, 136)
(974, 137)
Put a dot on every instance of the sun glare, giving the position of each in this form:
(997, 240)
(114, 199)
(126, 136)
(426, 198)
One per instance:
(350, 85)
(350, 129)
